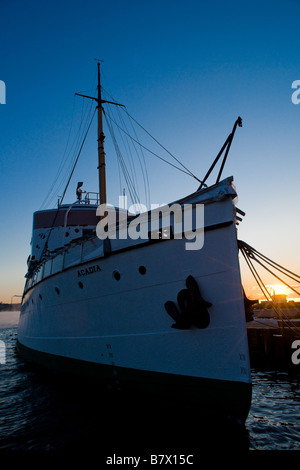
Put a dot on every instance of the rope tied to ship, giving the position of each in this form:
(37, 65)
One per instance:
(251, 254)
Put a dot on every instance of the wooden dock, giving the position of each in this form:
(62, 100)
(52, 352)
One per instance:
(270, 343)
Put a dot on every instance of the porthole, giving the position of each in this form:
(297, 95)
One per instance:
(57, 290)
(80, 285)
(142, 270)
(116, 275)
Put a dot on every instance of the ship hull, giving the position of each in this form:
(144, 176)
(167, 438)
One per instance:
(107, 318)
(210, 397)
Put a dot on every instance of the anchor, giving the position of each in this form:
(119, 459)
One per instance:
(192, 309)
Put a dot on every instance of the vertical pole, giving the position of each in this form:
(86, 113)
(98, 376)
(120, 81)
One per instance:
(101, 153)
(238, 122)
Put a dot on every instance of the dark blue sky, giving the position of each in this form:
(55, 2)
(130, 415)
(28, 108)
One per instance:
(185, 70)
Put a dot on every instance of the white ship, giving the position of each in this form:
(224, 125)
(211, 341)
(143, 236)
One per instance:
(163, 313)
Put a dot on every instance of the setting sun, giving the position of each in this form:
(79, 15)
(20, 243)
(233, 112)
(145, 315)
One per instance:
(279, 289)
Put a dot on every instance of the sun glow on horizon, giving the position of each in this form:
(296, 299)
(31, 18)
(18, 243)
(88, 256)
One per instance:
(254, 292)
(279, 289)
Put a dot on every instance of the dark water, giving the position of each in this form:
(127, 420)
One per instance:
(41, 412)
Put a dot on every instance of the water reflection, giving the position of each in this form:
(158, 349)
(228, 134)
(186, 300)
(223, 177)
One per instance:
(42, 411)
(274, 421)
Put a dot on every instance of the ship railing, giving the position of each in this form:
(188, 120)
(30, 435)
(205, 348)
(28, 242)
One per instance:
(90, 197)
(76, 252)
(90, 247)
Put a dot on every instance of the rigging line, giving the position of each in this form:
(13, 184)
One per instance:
(127, 147)
(65, 163)
(132, 192)
(251, 252)
(85, 118)
(69, 165)
(121, 161)
(155, 154)
(277, 277)
(62, 160)
(274, 263)
(77, 158)
(266, 324)
(260, 284)
(251, 249)
(118, 160)
(256, 276)
(279, 313)
(275, 266)
(166, 150)
(282, 316)
(131, 143)
(142, 164)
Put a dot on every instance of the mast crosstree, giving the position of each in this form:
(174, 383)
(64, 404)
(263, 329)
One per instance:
(101, 137)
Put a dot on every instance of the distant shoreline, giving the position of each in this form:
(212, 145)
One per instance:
(9, 307)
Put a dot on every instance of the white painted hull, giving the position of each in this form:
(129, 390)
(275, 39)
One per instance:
(85, 315)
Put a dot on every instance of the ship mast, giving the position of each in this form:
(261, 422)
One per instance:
(101, 137)
(101, 153)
